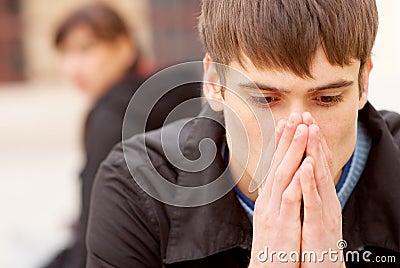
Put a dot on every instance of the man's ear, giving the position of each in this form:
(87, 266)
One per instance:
(211, 85)
(365, 80)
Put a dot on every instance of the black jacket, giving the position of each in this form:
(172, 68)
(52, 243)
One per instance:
(128, 228)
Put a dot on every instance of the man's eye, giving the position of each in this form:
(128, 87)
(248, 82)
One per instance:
(264, 100)
(329, 100)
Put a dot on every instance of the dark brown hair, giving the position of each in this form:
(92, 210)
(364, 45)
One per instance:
(285, 34)
(105, 23)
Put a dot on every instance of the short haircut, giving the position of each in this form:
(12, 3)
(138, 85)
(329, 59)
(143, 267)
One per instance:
(285, 34)
(105, 23)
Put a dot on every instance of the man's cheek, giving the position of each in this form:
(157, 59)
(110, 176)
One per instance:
(341, 142)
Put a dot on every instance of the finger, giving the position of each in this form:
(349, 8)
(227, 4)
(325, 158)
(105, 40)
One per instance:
(278, 134)
(279, 130)
(324, 180)
(312, 200)
(280, 126)
(308, 119)
(291, 200)
(263, 174)
(332, 205)
(289, 165)
(284, 143)
(327, 153)
(286, 138)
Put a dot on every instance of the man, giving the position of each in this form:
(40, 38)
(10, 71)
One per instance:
(332, 183)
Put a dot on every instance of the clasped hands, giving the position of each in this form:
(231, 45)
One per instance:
(293, 180)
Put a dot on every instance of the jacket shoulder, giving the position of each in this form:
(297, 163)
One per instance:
(392, 120)
(120, 219)
(122, 212)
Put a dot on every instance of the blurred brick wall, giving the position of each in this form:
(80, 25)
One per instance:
(41, 18)
(11, 51)
(174, 31)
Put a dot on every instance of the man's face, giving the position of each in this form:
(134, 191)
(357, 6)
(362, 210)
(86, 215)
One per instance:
(331, 96)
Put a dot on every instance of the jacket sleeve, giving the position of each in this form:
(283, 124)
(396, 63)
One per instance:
(122, 230)
(103, 131)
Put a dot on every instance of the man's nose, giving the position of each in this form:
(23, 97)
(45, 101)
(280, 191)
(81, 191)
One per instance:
(299, 110)
(296, 109)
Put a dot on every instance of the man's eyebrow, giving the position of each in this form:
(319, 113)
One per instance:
(337, 84)
(259, 86)
(333, 85)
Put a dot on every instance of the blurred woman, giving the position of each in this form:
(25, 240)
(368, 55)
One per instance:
(99, 57)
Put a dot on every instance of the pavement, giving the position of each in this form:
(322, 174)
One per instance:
(40, 159)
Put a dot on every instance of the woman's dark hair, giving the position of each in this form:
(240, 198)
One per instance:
(105, 23)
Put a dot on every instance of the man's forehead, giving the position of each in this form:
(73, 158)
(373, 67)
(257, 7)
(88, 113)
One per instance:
(323, 74)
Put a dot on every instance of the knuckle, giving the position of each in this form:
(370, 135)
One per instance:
(315, 229)
(336, 218)
(288, 198)
(323, 182)
(336, 221)
(280, 174)
(261, 207)
(316, 204)
(277, 173)
(265, 220)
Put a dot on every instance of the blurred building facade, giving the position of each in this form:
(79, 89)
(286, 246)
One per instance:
(11, 50)
(174, 24)
(165, 30)
(40, 21)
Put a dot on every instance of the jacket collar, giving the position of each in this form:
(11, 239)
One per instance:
(370, 218)
(198, 232)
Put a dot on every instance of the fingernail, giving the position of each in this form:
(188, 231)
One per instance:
(281, 125)
(307, 161)
(277, 126)
(298, 132)
(309, 118)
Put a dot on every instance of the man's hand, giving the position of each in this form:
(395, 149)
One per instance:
(322, 226)
(276, 220)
